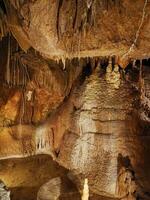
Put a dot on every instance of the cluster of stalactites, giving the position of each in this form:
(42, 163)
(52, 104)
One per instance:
(115, 67)
(17, 3)
(16, 73)
(3, 24)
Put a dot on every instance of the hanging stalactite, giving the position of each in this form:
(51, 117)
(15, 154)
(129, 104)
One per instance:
(16, 72)
(43, 78)
(3, 24)
(8, 62)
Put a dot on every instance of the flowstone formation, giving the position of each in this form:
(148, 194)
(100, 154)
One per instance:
(75, 84)
(4, 192)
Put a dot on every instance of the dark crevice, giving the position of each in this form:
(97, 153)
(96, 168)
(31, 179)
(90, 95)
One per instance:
(76, 12)
(2, 6)
(58, 14)
(146, 62)
(87, 71)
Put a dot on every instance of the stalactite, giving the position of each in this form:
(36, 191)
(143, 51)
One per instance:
(17, 73)
(14, 72)
(76, 13)
(79, 46)
(64, 63)
(24, 76)
(98, 63)
(17, 3)
(1, 29)
(43, 78)
(60, 2)
(27, 73)
(3, 24)
(89, 3)
(42, 140)
(36, 80)
(8, 63)
(22, 108)
(90, 12)
(134, 63)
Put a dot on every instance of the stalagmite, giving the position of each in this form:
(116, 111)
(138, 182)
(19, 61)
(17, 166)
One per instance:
(109, 71)
(109, 67)
(85, 195)
(116, 76)
(113, 75)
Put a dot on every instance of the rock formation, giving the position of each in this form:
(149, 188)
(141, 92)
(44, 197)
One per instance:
(4, 193)
(75, 84)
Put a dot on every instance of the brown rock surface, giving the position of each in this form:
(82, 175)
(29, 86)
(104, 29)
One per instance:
(60, 29)
(90, 115)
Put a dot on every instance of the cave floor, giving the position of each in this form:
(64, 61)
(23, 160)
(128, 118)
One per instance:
(25, 176)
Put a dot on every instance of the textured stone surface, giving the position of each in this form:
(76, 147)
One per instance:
(4, 193)
(91, 116)
(96, 133)
(60, 29)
